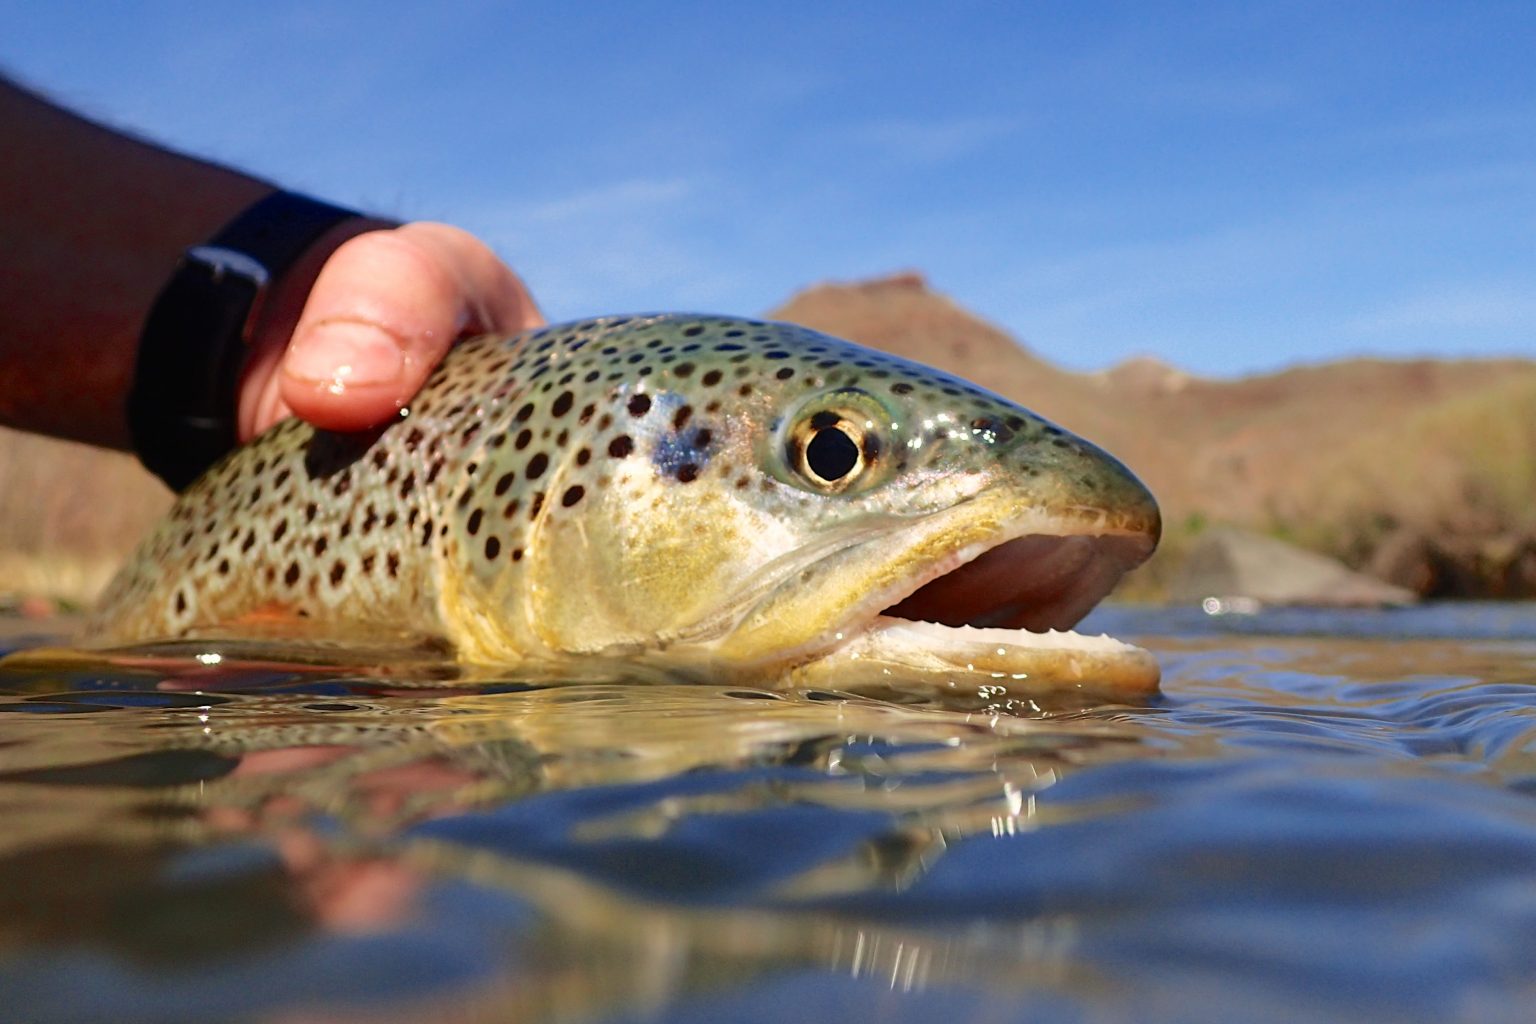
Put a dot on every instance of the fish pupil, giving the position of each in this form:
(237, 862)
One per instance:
(831, 454)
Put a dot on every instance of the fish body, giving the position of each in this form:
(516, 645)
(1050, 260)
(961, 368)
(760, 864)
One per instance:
(719, 497)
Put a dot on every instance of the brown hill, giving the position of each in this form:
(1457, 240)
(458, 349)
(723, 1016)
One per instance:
(1344, 456)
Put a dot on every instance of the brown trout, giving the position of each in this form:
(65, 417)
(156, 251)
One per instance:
(710, 497)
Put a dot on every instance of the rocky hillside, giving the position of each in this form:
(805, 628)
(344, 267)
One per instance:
(1421, 472)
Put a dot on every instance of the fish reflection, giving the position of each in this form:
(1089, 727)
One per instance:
(294, 806)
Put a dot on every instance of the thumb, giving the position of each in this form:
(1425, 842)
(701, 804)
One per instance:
(385, 308)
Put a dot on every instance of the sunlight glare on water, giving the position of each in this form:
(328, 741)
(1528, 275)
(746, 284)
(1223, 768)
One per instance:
(1323, 817)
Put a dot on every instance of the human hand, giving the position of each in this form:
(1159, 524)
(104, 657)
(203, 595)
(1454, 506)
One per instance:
(386, 304)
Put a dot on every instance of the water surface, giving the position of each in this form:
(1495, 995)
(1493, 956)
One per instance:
(1326, 816)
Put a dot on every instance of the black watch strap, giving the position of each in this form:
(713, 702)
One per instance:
(182, 408)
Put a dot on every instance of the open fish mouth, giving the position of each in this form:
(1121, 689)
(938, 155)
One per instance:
(1034, 583)
(999, 617)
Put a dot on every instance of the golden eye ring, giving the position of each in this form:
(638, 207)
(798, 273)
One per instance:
(830, 450)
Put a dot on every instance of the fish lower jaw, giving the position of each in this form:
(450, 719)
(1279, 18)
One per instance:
(996, 618)
(989, 662)
(986, 638)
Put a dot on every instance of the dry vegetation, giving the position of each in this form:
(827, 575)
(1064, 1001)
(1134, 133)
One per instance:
(68, 514)
(1423, 469)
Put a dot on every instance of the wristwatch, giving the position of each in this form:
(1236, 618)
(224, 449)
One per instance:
(182, 407)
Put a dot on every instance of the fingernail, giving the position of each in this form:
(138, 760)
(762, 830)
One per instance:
(344, 353)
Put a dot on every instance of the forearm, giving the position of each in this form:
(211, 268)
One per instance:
(93, 222)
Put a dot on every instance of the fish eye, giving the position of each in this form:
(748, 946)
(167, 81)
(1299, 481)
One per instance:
(831, 454)
(833, 446)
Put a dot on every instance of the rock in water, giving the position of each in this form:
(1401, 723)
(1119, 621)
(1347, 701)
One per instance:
(1229, 563)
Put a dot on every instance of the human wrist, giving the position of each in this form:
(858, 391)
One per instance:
(224, 298)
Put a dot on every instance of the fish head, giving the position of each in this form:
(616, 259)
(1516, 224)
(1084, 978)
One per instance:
(756, 499)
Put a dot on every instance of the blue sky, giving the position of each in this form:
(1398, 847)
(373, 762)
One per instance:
(1233, 187)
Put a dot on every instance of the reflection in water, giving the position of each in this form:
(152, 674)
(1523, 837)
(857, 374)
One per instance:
(1302, 825)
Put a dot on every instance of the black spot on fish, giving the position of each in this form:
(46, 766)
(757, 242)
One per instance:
(998, 431)
(639, 405)
(328, 452)
(572, 495)
(621, 446)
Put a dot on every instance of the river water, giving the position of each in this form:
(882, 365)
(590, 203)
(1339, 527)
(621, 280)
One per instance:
(1325, 816)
